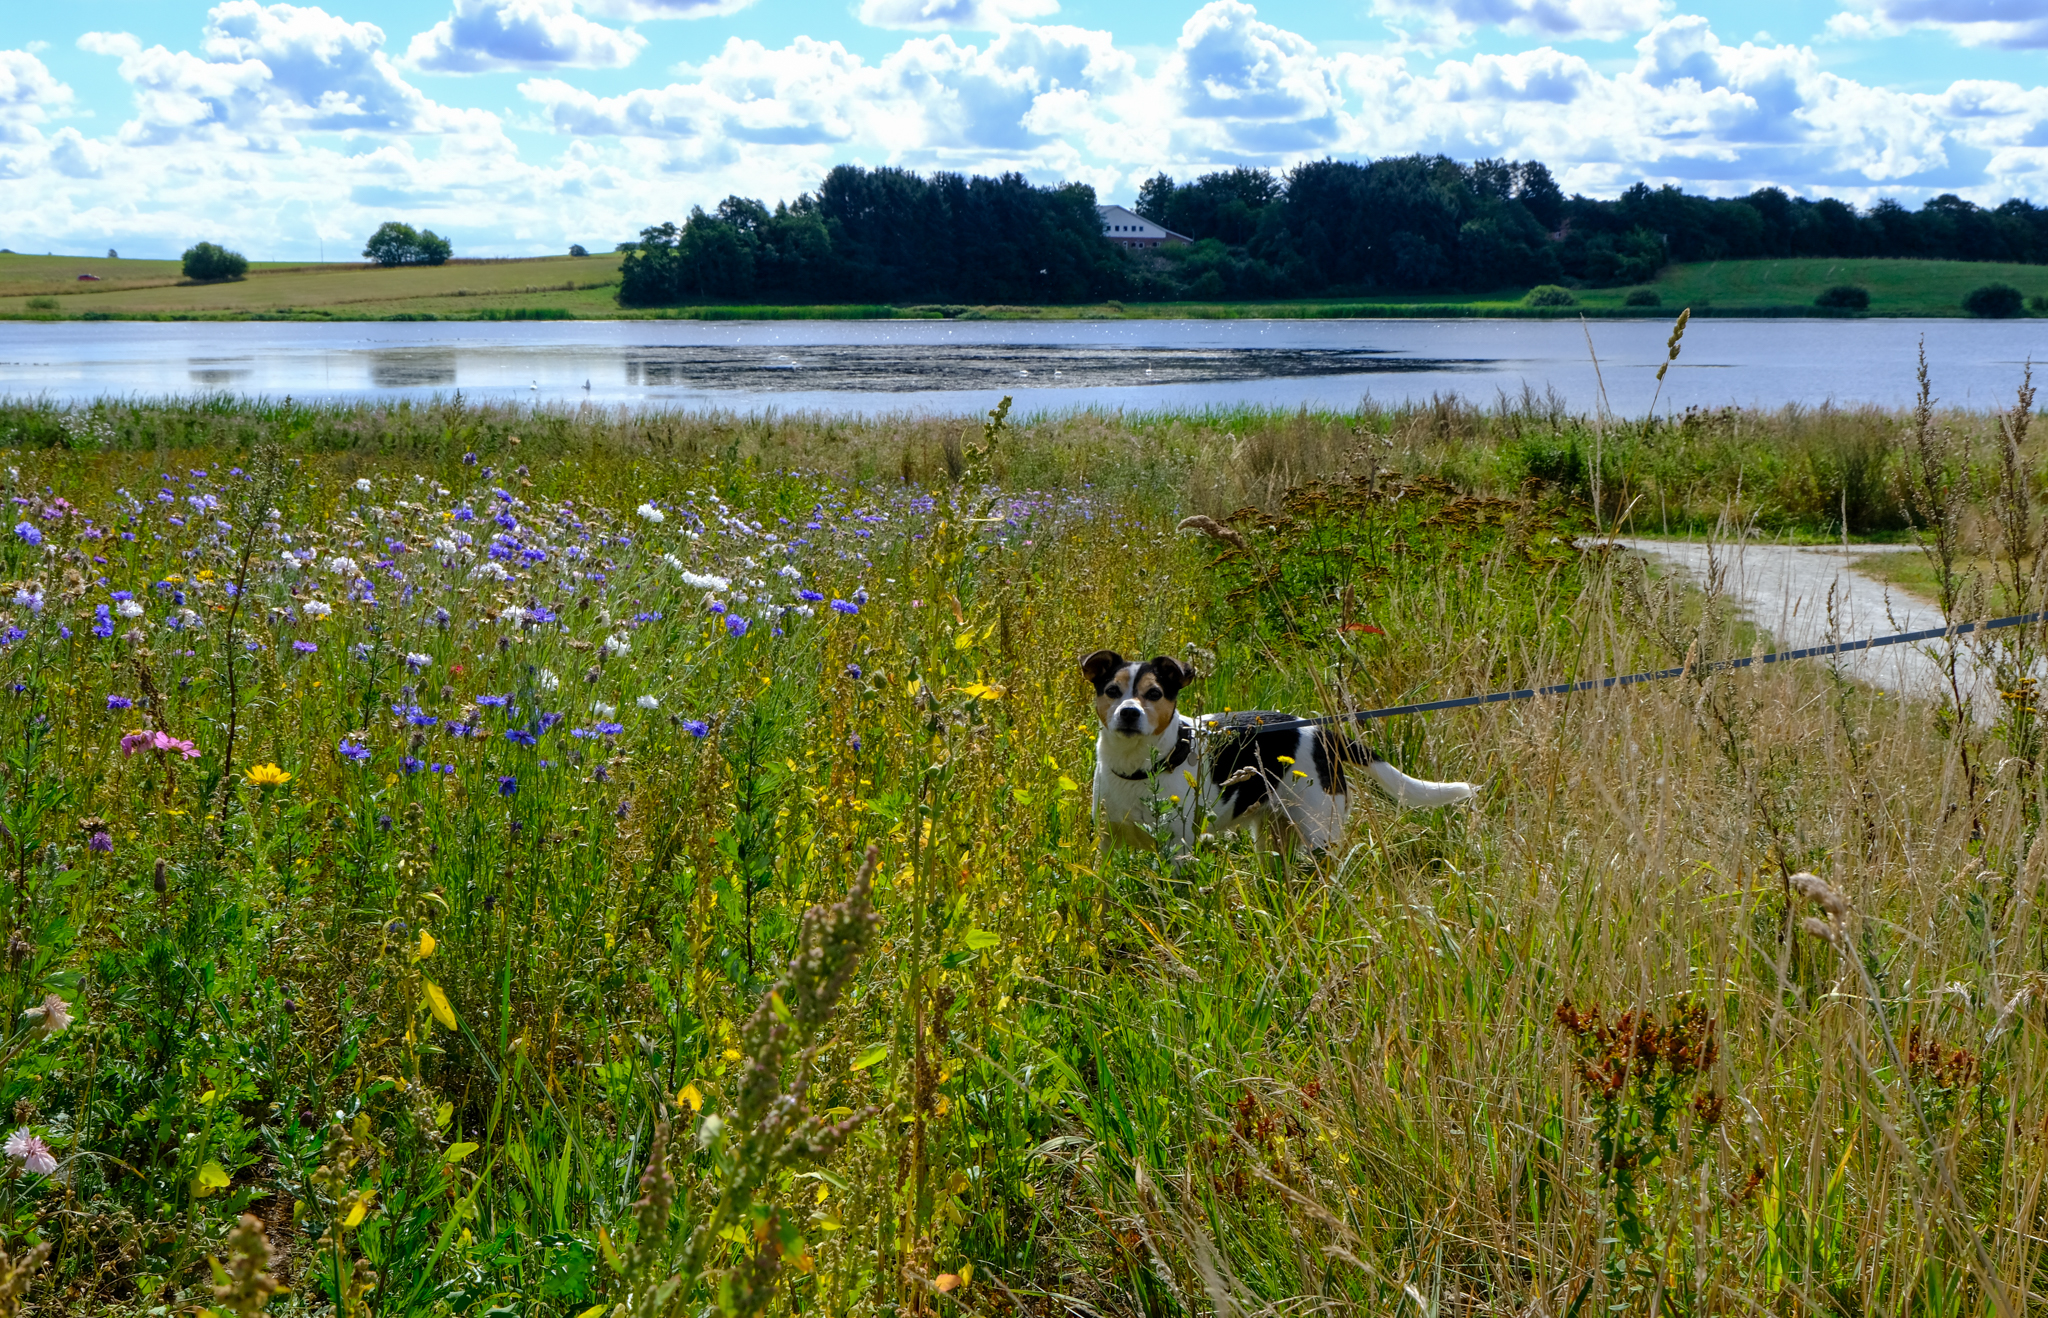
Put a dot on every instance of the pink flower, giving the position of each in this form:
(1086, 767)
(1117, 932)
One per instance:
(30, 1151)
(157, 741)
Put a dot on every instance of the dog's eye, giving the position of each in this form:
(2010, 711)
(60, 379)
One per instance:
(1112, 691)
(1155, 695)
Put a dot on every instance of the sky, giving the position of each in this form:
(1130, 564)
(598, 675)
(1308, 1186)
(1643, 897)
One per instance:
(518, 127)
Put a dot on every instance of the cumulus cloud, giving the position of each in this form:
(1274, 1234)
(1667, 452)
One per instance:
(1453, 24)
(1246, 87)
(29, 95)
(983, 15)
(484, 35)
(2013, 24)
(268, 72)
(644, 9)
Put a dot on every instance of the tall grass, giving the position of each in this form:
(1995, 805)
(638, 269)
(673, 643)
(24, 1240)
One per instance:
(495, 1003)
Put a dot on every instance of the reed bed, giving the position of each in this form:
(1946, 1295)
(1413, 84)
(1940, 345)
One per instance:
(411, 816)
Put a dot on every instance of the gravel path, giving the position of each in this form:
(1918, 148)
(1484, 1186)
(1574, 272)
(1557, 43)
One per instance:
(1784, 589)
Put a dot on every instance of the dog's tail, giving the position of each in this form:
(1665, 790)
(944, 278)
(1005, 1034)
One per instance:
(1411, 793)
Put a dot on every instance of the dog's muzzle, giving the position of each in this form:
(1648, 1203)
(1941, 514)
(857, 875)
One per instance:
(1128, 718)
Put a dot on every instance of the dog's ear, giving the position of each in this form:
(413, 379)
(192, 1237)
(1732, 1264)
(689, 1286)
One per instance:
(1100, 665)
(1172, 674)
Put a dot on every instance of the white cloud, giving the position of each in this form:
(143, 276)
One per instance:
(29, 95)
(269, 72)
(1847, 26)
(2014, 24)
(1438, 26)
(980, 15)
(649, 9)
(483, 35)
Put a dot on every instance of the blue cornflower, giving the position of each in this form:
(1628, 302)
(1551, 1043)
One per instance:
(28, 532)
(411, 764)
(353, 750)
(508, 786)
(520, 737)
(843, 606)
(492, 702)
(119, 702)
(696, 727)
(736, 626)
(304, 647)
(853, 671)
(810, 596)
(548, 721)
(610, 729)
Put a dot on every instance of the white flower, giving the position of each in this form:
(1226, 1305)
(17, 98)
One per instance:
(648, 512)
(617, 645)
(513, 614)
(129, 609)
(343, 567)
(789, 570)
(29, 1150)
(704, 581)
(419, 660)
(443, 544)
(547, 680)
(54, 1015)
(362, 485)
(311, 608)
(491, 570)
(602, 710)
(673, 561)
(648, 702)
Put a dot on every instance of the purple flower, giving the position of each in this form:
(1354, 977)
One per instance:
(119, 702)
(411, 764)
(304, 647)
(353, 750)
(696, 727)
(493, 702)
(508, 786)
(842, 606)
(853, 671)
(120, 595)
(469, 459)
(101, 840)
(28, 532)
(809, 596)
(520, 737)
(610, 729)
(736, 626)
(853, 741)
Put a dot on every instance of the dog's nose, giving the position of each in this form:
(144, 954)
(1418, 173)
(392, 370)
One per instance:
(1127, 715)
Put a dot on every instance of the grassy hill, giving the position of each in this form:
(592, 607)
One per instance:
(33, 287)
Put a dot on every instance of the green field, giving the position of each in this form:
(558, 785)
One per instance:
(584, 288)
(411, 814)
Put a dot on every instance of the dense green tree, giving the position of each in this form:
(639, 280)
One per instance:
(208, 261)
(401, 244)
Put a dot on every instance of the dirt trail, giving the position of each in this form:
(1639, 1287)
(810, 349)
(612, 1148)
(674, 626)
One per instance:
(1785, 590)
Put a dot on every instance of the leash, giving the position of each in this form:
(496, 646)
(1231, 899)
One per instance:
(1631, 679)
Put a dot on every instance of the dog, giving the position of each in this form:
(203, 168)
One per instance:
(1157, 769)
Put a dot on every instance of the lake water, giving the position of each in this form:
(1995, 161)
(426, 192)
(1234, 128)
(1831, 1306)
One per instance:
(873, 367)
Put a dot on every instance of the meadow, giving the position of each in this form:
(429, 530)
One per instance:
(585, 288)
(411, 816)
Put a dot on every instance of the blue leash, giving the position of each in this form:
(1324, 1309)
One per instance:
(1631, 679)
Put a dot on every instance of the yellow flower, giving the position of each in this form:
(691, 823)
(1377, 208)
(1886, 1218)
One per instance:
(268, 775)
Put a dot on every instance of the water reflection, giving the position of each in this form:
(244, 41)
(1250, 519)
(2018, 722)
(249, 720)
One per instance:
(411, 368)
(215, 372)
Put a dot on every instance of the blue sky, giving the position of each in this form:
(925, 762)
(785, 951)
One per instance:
(520, 126)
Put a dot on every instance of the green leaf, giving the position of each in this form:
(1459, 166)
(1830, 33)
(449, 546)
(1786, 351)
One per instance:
(457, 1152)
(874, 1053)
(212, 1176)
(980, 940)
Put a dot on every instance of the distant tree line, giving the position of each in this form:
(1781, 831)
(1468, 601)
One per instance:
(1326, 228)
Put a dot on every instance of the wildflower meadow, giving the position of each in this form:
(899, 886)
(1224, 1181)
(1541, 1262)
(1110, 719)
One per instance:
(521, 862)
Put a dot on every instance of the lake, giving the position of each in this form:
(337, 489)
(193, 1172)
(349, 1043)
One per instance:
(876, 367)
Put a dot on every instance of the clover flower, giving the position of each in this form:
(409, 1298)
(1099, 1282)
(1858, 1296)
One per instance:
(29, 1150)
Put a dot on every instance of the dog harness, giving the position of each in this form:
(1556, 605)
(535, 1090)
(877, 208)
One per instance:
(1181, 747)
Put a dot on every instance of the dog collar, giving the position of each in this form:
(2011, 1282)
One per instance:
(1181, 746)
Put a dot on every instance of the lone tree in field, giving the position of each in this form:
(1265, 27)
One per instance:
(209, 261)
(401, 244)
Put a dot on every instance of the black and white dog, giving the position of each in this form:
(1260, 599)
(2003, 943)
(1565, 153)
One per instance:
(1157, 768)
